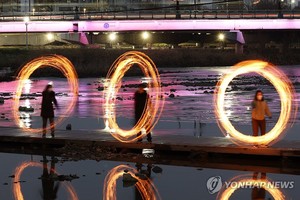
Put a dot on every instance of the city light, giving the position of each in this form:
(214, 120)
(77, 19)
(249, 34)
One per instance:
(221, 37)
(26, 19)
(112, 36)
(50, 36)
(145, 35)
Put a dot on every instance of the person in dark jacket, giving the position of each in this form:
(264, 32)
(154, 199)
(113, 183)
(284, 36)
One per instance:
(260, 109)
(140, 100)
(47, 108)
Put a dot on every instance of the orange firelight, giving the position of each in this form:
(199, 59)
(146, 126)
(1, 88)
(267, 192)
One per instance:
(154, 105)
(145, 187)
(18, 195)
(58, 62)
(246, 181)
(282, 85)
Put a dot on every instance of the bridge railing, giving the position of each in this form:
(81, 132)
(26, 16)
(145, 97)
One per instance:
(159, 14)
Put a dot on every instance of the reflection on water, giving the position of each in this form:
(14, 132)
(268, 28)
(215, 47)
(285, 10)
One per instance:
(141, 180)
(259, 186)
(36, 178)
(49, 187)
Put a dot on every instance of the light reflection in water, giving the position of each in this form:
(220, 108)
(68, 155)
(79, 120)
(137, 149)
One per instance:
(259, 185)
(26, 116)
(17, 192)
(145, 187)
(27, 86)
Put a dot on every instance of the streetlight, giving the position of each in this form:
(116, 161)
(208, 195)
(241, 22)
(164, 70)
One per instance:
(112, 37)
(145, 35)
(221, 38)
(26, 20)
(50, 36)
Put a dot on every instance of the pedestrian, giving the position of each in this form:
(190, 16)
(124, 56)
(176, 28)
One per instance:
(260, 109)
(47, 108)
(140, 99)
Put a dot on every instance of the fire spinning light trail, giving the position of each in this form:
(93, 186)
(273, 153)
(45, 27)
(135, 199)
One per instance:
(58, 62)
(282, 85)
(154, 106)
(145, 187)
(18, 195)
(246, 181)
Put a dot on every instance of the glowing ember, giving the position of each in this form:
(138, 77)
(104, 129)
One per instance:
(282, 85)
(247, 181)
(153, 106)
(58, 62)
(145, 187)
(17, 186)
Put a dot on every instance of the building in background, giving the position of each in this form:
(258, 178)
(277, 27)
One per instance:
(37, 6)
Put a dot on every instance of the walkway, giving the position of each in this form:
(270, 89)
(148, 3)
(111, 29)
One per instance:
(213, 152)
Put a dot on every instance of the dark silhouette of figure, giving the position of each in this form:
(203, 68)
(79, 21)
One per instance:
(47, 108)
(140, 100)
(76, 16)
(50, 189)
(258, 193)
(178, 15)
(259, 110)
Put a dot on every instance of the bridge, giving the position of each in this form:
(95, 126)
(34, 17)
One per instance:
(149, 20)
(154, 25)
(162, 18)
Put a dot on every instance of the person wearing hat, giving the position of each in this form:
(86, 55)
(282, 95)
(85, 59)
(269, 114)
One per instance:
(47, 111)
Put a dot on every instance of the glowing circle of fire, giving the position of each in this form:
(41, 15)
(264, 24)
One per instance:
(146, 188)
(58, 62)
(18, 195)
(247, 181)
(152, 110)
(282, 85)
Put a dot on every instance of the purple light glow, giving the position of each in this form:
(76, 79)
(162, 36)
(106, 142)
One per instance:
(155, 25)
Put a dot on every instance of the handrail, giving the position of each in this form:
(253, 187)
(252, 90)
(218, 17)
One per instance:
(154, 14)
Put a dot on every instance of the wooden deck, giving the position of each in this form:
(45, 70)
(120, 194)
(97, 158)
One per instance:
(212, 152)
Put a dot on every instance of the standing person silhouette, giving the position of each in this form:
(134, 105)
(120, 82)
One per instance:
(260, 109)
(47, 108)
(50, 188)
(140, 100)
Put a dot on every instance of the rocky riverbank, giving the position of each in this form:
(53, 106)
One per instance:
(96, 62)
